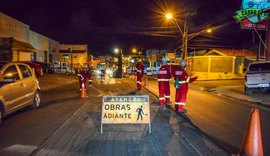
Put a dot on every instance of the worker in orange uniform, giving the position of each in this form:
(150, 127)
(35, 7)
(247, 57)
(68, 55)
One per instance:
(164, 77)
(83, 77)
(139, 73)
(181, 80)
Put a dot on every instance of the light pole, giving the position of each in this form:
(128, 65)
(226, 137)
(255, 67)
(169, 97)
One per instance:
(184, 34)
(120, 61)
(71, 58)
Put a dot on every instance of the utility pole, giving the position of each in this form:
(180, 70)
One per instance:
(120, 63)
(185, 40)
(71, 58)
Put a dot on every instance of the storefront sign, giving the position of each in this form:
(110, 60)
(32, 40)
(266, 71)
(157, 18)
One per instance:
(253, 14)
(253, 10)
(246, 24)
(125, 110)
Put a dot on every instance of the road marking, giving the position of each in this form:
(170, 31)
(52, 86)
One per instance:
(98, 90)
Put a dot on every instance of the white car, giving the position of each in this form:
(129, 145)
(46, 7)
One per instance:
(257, 77)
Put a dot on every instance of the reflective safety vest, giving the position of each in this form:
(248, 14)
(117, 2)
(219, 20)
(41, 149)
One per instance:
(181, 75)
(163, 74)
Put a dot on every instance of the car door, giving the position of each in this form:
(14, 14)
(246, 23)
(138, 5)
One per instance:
(29, 84)
(12, 92)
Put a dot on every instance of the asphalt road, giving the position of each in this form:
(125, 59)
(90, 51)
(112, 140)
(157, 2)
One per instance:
(22, 132)
(222, 119)
(171, 133)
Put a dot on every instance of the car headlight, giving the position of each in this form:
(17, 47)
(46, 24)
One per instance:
(98, 71)
(108, 71)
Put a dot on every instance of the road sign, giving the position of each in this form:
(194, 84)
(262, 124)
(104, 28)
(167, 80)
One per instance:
(170, 56)
(129, 109)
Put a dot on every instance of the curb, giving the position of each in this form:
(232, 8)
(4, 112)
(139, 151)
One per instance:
(249, 99)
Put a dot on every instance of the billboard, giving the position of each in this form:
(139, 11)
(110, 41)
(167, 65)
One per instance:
(253, 10)
(253, 14)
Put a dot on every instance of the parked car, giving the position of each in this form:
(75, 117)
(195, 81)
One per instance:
(19, 88)
(257, 77)
(36, 67)
(46, 67)
(62, 67)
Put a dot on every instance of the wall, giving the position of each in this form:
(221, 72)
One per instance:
(10, 27)
(215, 67)
(53, 50)
(41, 43)
(79, 54)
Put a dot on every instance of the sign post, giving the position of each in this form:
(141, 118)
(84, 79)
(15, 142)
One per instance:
(127, 109)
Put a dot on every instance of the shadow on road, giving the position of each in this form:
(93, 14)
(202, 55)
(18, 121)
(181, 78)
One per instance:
(59, 101)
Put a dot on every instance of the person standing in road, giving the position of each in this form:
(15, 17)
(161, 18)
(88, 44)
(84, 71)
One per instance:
(181, 80)
(139, 73)
(90, 71)
(164, 76)
(83, 77)
(102, 75)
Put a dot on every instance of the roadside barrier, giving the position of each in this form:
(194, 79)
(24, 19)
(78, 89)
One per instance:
(252, 142)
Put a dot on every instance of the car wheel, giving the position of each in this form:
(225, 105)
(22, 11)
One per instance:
(36, 101)
(248, 91)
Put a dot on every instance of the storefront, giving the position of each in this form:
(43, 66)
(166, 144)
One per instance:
(14, 50)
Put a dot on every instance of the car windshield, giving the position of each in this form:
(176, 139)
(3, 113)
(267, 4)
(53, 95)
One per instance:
(259, 67)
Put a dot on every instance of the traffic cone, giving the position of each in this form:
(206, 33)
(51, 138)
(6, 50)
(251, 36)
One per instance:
(252, 143)
(83, 93)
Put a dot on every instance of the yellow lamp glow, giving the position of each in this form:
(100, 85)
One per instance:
(169, 16)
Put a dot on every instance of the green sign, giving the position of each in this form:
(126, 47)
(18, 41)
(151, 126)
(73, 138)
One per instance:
(253, 10)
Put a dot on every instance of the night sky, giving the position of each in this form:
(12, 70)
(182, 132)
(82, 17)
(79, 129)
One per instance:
(105, 24)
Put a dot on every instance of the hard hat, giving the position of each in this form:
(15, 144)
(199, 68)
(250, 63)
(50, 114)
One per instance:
(182, 63)
(163, 60)
(139, 60)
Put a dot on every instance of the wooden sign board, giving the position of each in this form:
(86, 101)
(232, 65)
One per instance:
(129, 109)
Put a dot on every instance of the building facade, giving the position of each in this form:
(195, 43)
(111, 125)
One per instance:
(14, 40)
(75, 55)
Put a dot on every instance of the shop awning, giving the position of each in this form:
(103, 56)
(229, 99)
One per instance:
(22, 46)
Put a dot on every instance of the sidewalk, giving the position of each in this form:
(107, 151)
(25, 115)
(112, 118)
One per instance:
(224, 88)
(235, 91)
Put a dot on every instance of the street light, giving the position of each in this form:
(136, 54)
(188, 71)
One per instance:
(134, 50)
(120, 61)
(184, 34)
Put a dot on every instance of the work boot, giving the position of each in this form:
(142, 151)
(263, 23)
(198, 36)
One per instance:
(168, 104)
